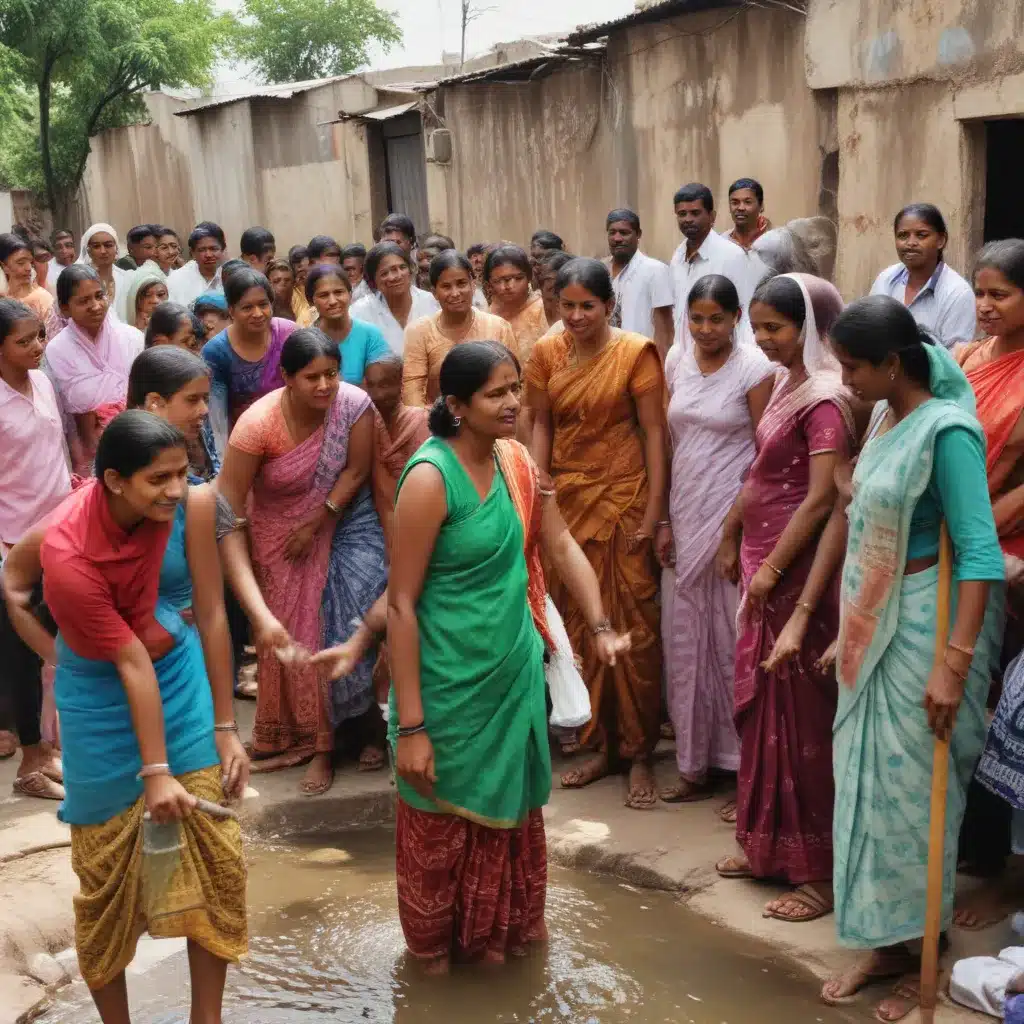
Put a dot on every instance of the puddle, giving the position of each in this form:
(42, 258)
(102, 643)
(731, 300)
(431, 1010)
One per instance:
(326, 945)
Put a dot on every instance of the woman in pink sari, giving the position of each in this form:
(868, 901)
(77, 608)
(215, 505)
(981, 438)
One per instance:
(305, 451)
(784, 711)
(90, 359)
(718, 389)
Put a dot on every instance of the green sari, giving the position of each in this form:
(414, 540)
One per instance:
(481, 658)
(882, 746)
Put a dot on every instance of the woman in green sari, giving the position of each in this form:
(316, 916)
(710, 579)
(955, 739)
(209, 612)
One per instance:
(466, 636)
(923, 464)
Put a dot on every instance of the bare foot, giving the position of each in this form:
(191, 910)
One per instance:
(984, 906)
(442, 965)
(8, 744)
(906, 997)
(687, 791)
(727, 812)
(877, 965)
(586, 773)
(319, 775)
(643, 789)
(372, 758)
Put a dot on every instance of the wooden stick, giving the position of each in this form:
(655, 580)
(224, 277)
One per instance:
(940, 783)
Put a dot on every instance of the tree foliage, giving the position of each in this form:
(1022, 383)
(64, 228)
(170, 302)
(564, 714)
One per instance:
(298, 40)
(76, 67)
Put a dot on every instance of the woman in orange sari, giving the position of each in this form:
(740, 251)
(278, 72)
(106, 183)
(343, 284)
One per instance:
(507, 274)
(600, 433)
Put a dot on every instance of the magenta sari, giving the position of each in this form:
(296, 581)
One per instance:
(784, 718)
(293, 703)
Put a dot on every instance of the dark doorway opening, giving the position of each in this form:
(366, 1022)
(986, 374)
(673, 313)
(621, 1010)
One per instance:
(1004, 157)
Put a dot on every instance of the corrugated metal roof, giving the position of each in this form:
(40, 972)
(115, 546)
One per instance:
(646, 15)
(285, 91)
(527, 69)
(381, 114)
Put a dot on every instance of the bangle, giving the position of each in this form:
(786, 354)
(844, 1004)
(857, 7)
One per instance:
(807, 607)
(969, 651)
(148, 770)
(603, 626)
(411, 730)
(778, 572)
(225, 727)
(962, 676)
(240, 523)
(331, 507)
(545, 494)
(663, 522)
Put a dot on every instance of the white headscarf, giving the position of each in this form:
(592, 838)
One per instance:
(83, 251)
(817, 355)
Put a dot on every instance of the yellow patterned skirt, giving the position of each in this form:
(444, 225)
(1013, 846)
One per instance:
(204, 898)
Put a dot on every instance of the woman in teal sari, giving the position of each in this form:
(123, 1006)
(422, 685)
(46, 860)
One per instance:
(924, 464)
(466, 634)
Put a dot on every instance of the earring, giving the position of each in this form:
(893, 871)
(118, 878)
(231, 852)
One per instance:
(457, 420)
(892, 375)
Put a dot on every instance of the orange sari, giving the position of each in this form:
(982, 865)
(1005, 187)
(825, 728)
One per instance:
(392, 449)
(597, 463)
(998, 383)
(529, 324)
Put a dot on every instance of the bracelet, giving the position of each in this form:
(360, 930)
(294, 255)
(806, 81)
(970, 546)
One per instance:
(962, 676)
(663, 522)
(545, 494)
(148, 770)
(809, 608)
(604, 626)
(411, 730)
(969, 651)
(357, 624)
(331, 507)
(240, 523)
(778, 572)
(225, 727)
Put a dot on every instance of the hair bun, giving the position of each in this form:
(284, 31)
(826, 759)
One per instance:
(440, 419)
(924, 336)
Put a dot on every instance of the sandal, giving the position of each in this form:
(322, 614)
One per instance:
(371, 759)
(8, 744)
(38, 785)
(905, 998)
(667, 731)
(727, 812)
(318, 788)
(686, 791)
(805, 897)
(733, 867)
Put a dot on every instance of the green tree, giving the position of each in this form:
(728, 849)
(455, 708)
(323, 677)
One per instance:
(297, 40)
(85, 64)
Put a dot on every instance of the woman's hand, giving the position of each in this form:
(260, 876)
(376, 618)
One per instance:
(789, 641)
(414, 762)
(827, 661)
(727, 560)
(634, 541)
(269, 635)
(301, 538)
(763, 583)
(664, 548)
(167, 799)
(610, 645)
(338, 662)
(234, 764)
(942, 698)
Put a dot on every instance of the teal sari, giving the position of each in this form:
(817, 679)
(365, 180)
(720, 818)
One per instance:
(882, 746)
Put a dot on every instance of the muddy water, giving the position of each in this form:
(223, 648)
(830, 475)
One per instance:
(326, 946)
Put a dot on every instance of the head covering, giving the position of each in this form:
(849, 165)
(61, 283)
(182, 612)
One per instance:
(139, 280)
(822, 306)
(947, 380)
(216, 300)
(83, 250)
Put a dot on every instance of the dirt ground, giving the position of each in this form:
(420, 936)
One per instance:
(670, 847)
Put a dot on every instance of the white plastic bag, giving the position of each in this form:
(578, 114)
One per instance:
(570, 701)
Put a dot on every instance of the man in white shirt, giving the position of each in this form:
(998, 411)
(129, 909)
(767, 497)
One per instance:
(706, 252)
(201, 274)
(643, 286)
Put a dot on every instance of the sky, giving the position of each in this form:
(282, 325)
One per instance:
(430, 26)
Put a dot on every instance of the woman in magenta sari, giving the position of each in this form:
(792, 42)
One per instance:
(305, 451)
(784, 711)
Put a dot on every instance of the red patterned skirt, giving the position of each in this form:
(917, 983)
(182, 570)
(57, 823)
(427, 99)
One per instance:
(466, 891)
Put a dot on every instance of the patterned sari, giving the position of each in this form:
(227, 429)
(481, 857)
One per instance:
(597, 462)
(784, 718)
(316, 596)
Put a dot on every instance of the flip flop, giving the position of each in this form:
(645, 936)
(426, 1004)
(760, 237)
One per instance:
(858, 977)
(727, 812)
(807, 897)
(906, 995)
(372, 759)
(36, 784)
(686, 792)
(307, 790)
(723, 869)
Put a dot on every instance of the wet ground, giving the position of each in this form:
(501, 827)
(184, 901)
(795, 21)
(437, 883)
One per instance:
(326, 946)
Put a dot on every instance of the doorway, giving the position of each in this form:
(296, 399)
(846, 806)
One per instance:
(1004, 157)
(405, 168)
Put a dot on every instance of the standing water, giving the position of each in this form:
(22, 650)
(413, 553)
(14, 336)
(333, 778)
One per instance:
(326, 945)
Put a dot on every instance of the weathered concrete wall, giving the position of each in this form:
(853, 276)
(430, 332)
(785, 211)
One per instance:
(705, 97)
(141, 173)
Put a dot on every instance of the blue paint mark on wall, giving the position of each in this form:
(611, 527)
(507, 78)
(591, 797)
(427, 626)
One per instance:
(882, 56)
(955, 46)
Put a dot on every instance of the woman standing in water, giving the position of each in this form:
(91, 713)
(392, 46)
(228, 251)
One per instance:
(507, 275)
(145, 704)
(330, 297)
(245, 358)
(925, 467)
(305, 451)
(16, 261)
(468, 714)
(430, 339)
(784, 712)
(599, 431)
(394, 301)
(718, 393)
(939, 299)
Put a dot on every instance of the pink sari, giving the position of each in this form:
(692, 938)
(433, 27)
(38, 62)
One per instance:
(784, 719)
(292, 709)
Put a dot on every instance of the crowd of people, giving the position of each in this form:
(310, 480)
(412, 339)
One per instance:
(402, 473)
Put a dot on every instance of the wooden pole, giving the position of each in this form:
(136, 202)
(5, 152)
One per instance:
(940, 782)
